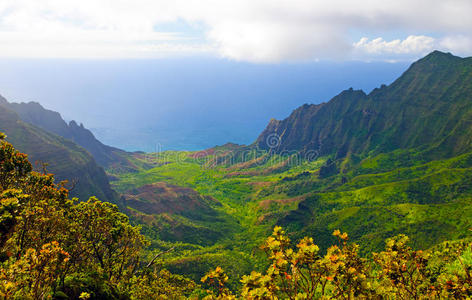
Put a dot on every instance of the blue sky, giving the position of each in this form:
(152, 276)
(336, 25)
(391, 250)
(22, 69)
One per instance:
(258, 31)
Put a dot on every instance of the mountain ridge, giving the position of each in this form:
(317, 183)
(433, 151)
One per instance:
(354, 122)
(60, 156)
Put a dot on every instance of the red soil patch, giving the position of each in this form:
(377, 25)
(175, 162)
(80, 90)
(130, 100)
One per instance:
(160, 197)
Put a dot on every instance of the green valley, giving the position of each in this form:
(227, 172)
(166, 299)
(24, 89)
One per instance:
(360, 163)
(428, 201)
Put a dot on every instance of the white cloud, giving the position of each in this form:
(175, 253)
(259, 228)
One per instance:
(413, 45)
(250, 30)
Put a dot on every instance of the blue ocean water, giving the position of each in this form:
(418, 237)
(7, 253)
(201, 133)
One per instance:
(182, 103)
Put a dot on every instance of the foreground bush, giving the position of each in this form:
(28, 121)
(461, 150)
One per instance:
(399, 272)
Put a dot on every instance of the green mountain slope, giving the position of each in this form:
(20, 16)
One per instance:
(429, 106)
(63, 157)
(430, 202)
(34, 113)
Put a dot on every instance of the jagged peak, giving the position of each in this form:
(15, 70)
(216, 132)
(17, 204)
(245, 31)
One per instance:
(352, 91)
(437, 53)
(438, 57)
(74, 124)
(436, 62)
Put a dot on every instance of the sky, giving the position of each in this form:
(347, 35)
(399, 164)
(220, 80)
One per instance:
(256, 31)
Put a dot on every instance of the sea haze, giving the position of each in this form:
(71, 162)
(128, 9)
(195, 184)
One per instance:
(182, 103)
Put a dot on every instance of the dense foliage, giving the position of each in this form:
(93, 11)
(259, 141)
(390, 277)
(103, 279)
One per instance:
(398, 272)
(55, 247)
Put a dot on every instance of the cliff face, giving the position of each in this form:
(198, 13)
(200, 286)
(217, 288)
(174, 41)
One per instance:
(61, 156)
(430, 105)
(34, 113)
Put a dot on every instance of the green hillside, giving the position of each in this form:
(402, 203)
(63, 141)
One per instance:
(60, 156)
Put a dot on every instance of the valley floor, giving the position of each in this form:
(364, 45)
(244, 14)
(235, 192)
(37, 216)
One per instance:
(220, 203)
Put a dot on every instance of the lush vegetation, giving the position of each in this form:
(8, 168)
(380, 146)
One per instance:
(398, 272)
(373, 199)
(194, 224)
(55, 247)
(273, 191)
